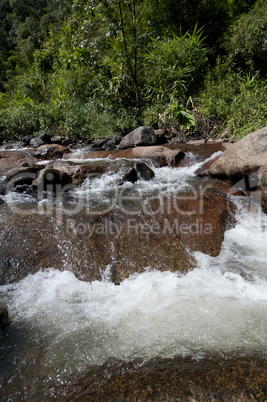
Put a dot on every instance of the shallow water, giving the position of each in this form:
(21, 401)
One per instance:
(61, 326)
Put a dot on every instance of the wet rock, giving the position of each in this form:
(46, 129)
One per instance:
(196, 142)
(144, 171)
(53, 180)
(3, 318)
(99, 144)
(140, 136)
(211, 378)
(264, 201)
(3, 184)
(56, 139)
(20, 179)
(80, 171)
(66, 142)
(243, 158)
(161, 155)
(23, 172)
(26, 139)
(161, 136)
(45, 137)
(116, 139)
(12, 145)
(50, 151)
(204, 169)
(12, 159)
(130, 175)
(36, 142)
(1, 201)
(29, 243)
(164, 229)
(109, 145)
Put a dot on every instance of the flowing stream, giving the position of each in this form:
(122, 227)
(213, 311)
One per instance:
(60, 325)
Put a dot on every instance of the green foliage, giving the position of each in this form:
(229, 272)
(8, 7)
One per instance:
(246, 44)
(19, 118)
(239, 100)
(175, 67)
(88, 68)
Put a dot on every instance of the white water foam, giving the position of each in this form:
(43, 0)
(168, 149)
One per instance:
(220, 306)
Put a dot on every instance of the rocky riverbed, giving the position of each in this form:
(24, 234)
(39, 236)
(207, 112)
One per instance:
(133, 273)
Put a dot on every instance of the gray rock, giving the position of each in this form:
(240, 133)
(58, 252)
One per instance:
(99, 144)
(50, 151)
(36, 142)
(116, 139)
(243, 158)
(144, 171)
(140, 136)
(56, 139)
(20, 179)
(46, 137)
(52, 180)
(26, 139)
(130, 175)
(110, 145)
(66, 142)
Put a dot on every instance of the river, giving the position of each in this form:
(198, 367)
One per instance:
(62, 325)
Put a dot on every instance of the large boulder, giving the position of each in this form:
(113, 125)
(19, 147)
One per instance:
(245, 163)
(50, 151)
(245, 157)
(140, 136)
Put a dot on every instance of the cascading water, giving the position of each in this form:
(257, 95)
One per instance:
(61, 326)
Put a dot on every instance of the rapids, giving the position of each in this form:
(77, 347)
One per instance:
(60, 325)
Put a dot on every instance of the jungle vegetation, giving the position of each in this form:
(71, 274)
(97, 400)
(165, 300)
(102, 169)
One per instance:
(93, 69)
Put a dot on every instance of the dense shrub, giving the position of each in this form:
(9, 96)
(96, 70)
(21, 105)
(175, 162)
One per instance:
(239, 100)
(246, 43)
